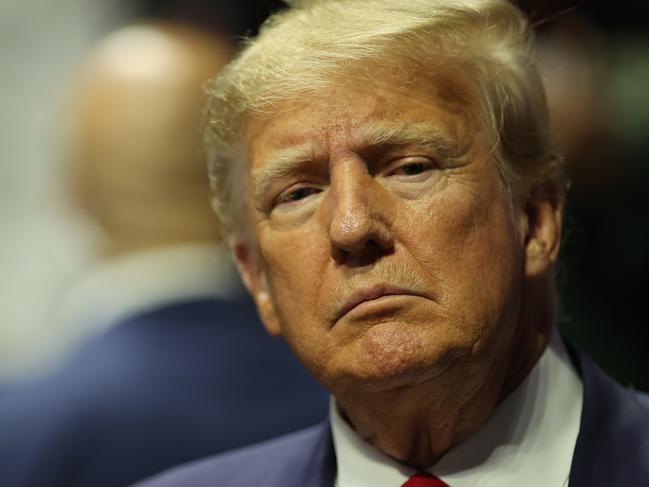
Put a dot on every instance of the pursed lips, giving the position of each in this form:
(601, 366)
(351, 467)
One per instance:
(370, 294)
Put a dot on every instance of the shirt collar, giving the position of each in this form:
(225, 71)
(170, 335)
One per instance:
(529, 439)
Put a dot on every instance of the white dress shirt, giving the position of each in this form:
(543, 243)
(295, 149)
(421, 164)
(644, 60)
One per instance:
(528, 441)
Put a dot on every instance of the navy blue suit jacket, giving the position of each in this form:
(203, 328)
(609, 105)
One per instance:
(166, 387)
(612, 448)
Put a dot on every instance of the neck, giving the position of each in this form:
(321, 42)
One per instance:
(118, 245)
(417, 425)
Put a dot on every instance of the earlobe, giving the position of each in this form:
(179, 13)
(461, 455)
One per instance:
(255, 281)
(266, 310)
(543, 220)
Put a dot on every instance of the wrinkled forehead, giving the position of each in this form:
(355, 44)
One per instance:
(362, 112)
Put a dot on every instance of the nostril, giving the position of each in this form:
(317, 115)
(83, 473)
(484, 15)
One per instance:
(374, 251)
(370, 251)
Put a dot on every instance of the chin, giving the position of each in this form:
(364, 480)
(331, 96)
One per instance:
(391, 355)
(378, 378)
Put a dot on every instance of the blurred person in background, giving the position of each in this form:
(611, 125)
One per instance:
(179, 367)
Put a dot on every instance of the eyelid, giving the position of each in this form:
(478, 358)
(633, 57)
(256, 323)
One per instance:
(399, 162)
(277, 200)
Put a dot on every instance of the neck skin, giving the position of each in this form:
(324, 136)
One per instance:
(125, 244)
(417, 425)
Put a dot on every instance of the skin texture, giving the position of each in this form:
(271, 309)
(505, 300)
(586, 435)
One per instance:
(399, 269)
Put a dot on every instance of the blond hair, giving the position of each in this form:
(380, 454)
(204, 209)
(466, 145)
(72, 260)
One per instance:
(317, 44)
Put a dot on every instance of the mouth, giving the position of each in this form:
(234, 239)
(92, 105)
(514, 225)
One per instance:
(371, 294)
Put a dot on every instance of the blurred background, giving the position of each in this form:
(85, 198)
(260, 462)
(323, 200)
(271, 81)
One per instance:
(595, 61)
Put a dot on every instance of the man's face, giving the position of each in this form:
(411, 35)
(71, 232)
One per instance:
(384, 248)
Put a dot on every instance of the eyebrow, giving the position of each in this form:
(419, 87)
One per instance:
(280, 165)
(386, 133)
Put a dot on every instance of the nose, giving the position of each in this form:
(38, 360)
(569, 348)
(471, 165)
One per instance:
(359, 229)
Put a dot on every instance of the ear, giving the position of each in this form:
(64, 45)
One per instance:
(542, 228)
(255, 281)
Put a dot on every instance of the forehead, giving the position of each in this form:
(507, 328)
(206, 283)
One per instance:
(351, 113)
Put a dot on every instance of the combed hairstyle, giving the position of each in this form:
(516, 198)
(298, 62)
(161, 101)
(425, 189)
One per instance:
(317, 44)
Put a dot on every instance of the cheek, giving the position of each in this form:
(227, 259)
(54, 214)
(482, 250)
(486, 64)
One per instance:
(470, 248)
(295, 263)
(297, 283)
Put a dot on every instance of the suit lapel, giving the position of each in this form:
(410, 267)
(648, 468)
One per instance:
(613, 444)
(321, 470)
(314, 464)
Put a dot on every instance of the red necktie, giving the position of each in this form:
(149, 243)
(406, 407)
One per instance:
(424, 480)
